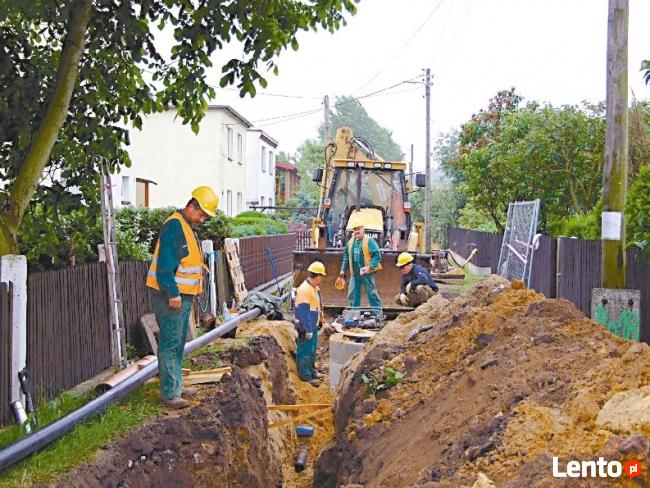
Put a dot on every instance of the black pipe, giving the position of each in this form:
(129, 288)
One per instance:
(36, 441)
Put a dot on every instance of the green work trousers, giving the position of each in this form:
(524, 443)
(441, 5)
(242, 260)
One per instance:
(306, 356)
(173, 325)
(354, 290)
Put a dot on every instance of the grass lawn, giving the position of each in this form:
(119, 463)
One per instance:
(470, 280)
(80, 444)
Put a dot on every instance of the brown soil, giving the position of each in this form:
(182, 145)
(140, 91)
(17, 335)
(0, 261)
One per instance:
(223, 439)
(284, 439)
(504, 380)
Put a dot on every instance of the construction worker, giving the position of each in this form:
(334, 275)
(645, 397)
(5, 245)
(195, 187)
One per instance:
(175, 277)
(417, 284)
(362, 258)
(309, 315)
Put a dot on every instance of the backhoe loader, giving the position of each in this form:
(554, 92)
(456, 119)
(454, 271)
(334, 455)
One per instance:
(354, 179)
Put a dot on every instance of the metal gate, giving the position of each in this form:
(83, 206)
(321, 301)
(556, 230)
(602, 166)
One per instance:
(519, 241)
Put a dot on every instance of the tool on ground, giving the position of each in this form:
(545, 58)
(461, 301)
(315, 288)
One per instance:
(362, 318)
(28, 391)
(21, 416)
(304, 430)
(301, 461)
(417, 331)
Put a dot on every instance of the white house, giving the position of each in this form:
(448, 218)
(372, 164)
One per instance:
(169, 161)
(260, 171)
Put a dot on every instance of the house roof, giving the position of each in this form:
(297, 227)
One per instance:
(227, 108)
(265, 137)
(233, 112)
(285, 166)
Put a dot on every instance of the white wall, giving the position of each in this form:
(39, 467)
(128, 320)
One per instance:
(260, 183)
(169, 153)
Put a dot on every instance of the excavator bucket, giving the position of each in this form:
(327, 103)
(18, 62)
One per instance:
(388, 278)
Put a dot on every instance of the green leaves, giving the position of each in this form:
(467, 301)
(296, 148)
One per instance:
(390, 377)
(637, 208)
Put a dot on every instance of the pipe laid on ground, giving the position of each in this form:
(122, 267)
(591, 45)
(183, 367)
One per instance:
(28, 445)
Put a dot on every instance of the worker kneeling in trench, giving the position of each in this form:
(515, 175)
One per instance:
(309, 316)
(417, 285)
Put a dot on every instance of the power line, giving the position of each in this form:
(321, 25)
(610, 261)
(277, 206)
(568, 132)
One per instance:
(287, 117)
(266, 94)
(404, 46)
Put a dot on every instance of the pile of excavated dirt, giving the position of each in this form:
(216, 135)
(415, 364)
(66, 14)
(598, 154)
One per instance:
(224, 439)
(221, 441)
(503, 381)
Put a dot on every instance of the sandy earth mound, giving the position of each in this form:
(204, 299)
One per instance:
(503, 381)
(224, 439)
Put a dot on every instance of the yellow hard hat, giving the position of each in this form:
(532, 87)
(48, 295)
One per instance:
(404, 258)
(207, 199)
(355, 221)
(317, 268)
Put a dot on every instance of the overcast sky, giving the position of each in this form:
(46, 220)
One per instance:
(549, 50)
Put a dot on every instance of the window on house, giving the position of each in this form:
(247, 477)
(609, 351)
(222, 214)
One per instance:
(270, 201)
(240, 148)
(239, 203)
(143, 189)
(271, 162)
(126, 190)
(262, 202)
(230, 143)
(263, 159)
(229, 203)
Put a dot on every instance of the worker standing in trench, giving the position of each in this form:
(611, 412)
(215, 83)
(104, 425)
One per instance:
(175, 277)
(363, 259)
(309, 316)
(417, 285)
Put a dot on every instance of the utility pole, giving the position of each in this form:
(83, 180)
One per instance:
(427, 189)
(613, 260)
(326, 140)
(411, 168)
(326, 119)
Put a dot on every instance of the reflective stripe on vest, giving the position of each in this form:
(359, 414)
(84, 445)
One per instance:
(365, 247)
(189, 274)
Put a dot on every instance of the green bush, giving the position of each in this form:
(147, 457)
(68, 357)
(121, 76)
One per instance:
(637, 208)
(252, 213)
(246, 231)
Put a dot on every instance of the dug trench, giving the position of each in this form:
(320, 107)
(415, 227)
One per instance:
(224, 438)
(503, 381)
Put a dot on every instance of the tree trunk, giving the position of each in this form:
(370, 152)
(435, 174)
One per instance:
(20, 192)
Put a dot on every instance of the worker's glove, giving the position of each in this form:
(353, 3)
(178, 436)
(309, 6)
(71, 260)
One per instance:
(309, 335)
(300, 329)
(364, 271)
(403, 298)
(408, 288)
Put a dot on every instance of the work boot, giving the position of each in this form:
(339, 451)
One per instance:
(317, 375)
(176, 403)
(188, 392)
(315, 383)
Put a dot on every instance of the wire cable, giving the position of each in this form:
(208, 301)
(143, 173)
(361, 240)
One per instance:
(404, 46)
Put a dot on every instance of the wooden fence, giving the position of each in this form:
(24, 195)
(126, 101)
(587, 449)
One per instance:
(564, 268)
(255, 260)
(6, 415)
(68, 327)
(463, 241)
(135, 300)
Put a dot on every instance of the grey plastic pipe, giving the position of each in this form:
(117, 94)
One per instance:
(41, 438)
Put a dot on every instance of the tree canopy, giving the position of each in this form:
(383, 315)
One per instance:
(512, 153)
(75, 74)
(348, 112)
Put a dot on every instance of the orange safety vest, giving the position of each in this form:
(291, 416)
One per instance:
(366, 253)
(189, 274)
